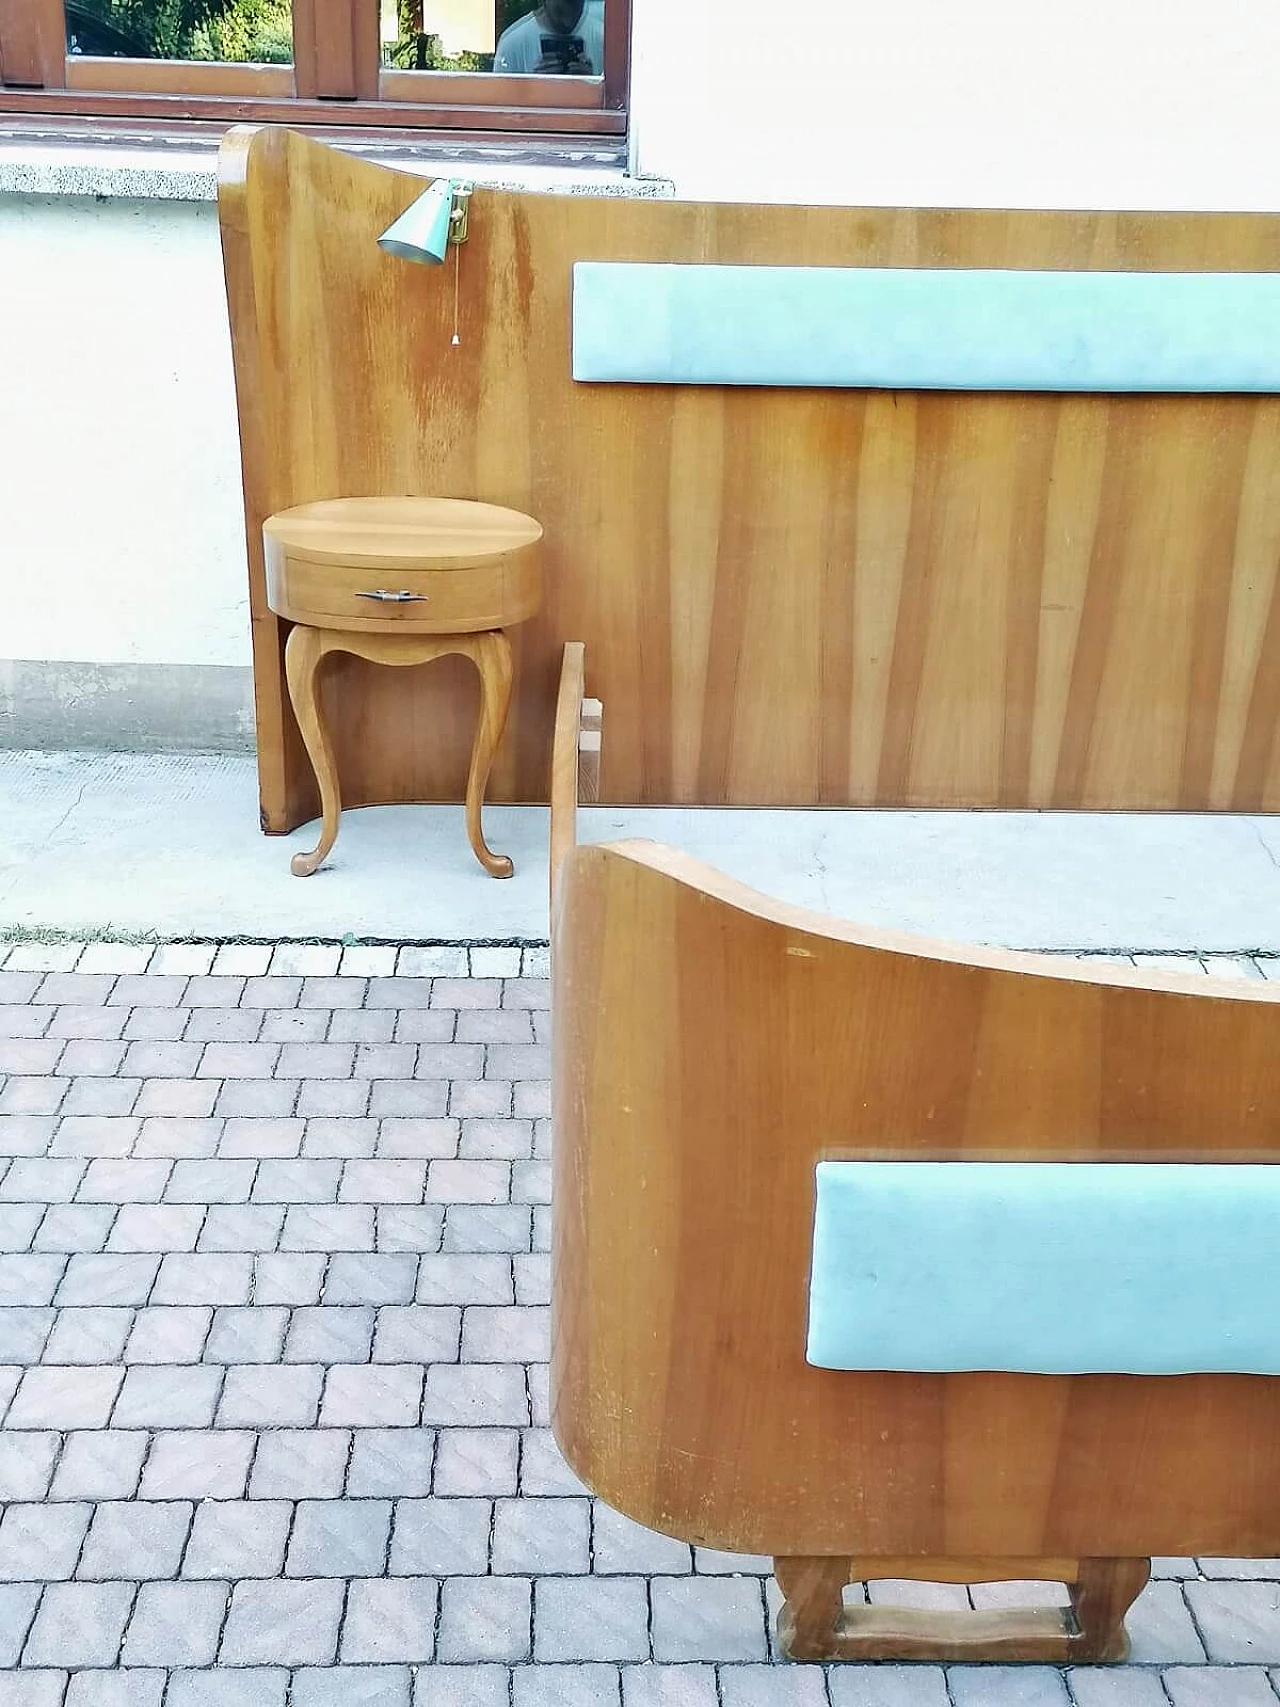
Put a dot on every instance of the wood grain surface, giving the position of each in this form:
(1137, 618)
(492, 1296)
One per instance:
(789, 597)
(710, 1047)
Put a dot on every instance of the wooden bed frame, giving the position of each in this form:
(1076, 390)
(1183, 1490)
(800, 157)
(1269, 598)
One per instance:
(710, 1047)
(790, 597)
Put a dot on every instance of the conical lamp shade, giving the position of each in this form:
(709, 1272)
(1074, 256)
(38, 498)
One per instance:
(422, 231)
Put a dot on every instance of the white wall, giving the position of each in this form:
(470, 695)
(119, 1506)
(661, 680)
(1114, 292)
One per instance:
(120, 522)
(962, 103)
(121, 529)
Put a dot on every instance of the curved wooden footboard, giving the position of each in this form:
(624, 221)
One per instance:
(710, 1048)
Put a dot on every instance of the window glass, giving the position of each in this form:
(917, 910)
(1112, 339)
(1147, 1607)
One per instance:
(257, 31)
(555, 37)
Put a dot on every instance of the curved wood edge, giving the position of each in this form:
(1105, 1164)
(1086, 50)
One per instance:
(564, 759)
(697, 874)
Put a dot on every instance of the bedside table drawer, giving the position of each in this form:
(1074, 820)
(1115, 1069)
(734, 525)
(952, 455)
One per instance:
(392, 600)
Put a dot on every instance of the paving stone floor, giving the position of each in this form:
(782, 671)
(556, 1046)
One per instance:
(273, 1339)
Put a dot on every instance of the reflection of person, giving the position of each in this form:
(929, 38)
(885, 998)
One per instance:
(560, 36)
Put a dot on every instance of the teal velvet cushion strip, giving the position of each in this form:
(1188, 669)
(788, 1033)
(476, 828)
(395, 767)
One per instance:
(925, 329)
(1046, 1268)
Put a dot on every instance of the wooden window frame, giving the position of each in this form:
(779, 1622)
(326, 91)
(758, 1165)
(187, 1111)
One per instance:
(337, 78)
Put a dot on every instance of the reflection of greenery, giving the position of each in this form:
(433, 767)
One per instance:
(184, 29)
(250, 30)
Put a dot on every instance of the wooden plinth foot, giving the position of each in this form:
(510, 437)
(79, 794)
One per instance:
(815, 1624)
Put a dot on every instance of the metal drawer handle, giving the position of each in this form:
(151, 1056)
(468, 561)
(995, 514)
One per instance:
(393, 598)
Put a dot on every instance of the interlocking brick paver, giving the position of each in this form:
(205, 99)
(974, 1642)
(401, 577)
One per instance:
(79, 1624)
(88, 1335)
(179, 1136)
(282, 1396)
(197, 1464)
(586, 1618)
(328, 1227)
(247, 1334)
(264, 1686)
(241, 1227)
(1098, 1687)
(157, 1227)
(108, 1279)
(413, 1099)
(480, 1098)
(1160, 1628)
(392, 1620)
(204, 1278)
(708, 1618)
(17, 1609)
(177, 1395)
(1009, 1686)
(477, 1461)
(207, 1181)
(18, 1223)
(26, 1464)
(297, 1181)
(283, 1623)
(289, 1278)
(502, 1139)
(542, 1468)
(175, 1624)
(1217, 1686)
(171, 1333)
(56, 1397)
(272, 1137)
(485, 1618)
(72, 1227)
(24, 1328)
(520, 1334)
(90, 1135)
(340, 1136)
(339, 1538)
(100, 1464)
(352, 1686)
(621, 1547)
(481, 1229)
(135, 1538)
(458, 1279)
(40, 1180)
(112, 1180)
(403, 1227)
(381, 1278)
(566, 1686)
(328, 1334)
(436, 1535)
(391, 1462)
(475, 1395)
(532, 1537)
(359, 1394)
(237, 1538)
(1239, 1621)
(41, 1543)
(301, 1464)
(260, 1099)
(417, 1333)
(799, 1686)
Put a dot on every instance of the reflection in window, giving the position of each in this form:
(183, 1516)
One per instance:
(257, 31)
(556, 37)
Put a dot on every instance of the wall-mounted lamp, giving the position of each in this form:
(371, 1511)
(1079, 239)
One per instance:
(429, 225)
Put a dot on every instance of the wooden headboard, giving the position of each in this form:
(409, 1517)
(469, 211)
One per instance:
(788, 597)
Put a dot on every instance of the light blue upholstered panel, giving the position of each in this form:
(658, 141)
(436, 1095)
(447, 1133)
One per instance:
(925, 329)
(1047, 1268)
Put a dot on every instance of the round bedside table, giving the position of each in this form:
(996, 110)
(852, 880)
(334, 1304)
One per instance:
(401, 581)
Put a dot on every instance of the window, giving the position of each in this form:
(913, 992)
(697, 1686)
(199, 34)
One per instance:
(557, 66)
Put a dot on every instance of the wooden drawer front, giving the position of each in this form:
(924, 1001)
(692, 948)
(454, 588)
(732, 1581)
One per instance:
(445, 601)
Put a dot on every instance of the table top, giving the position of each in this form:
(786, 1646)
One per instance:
(436, 533)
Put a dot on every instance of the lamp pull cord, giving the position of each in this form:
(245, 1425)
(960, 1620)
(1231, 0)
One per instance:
(456, 251)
